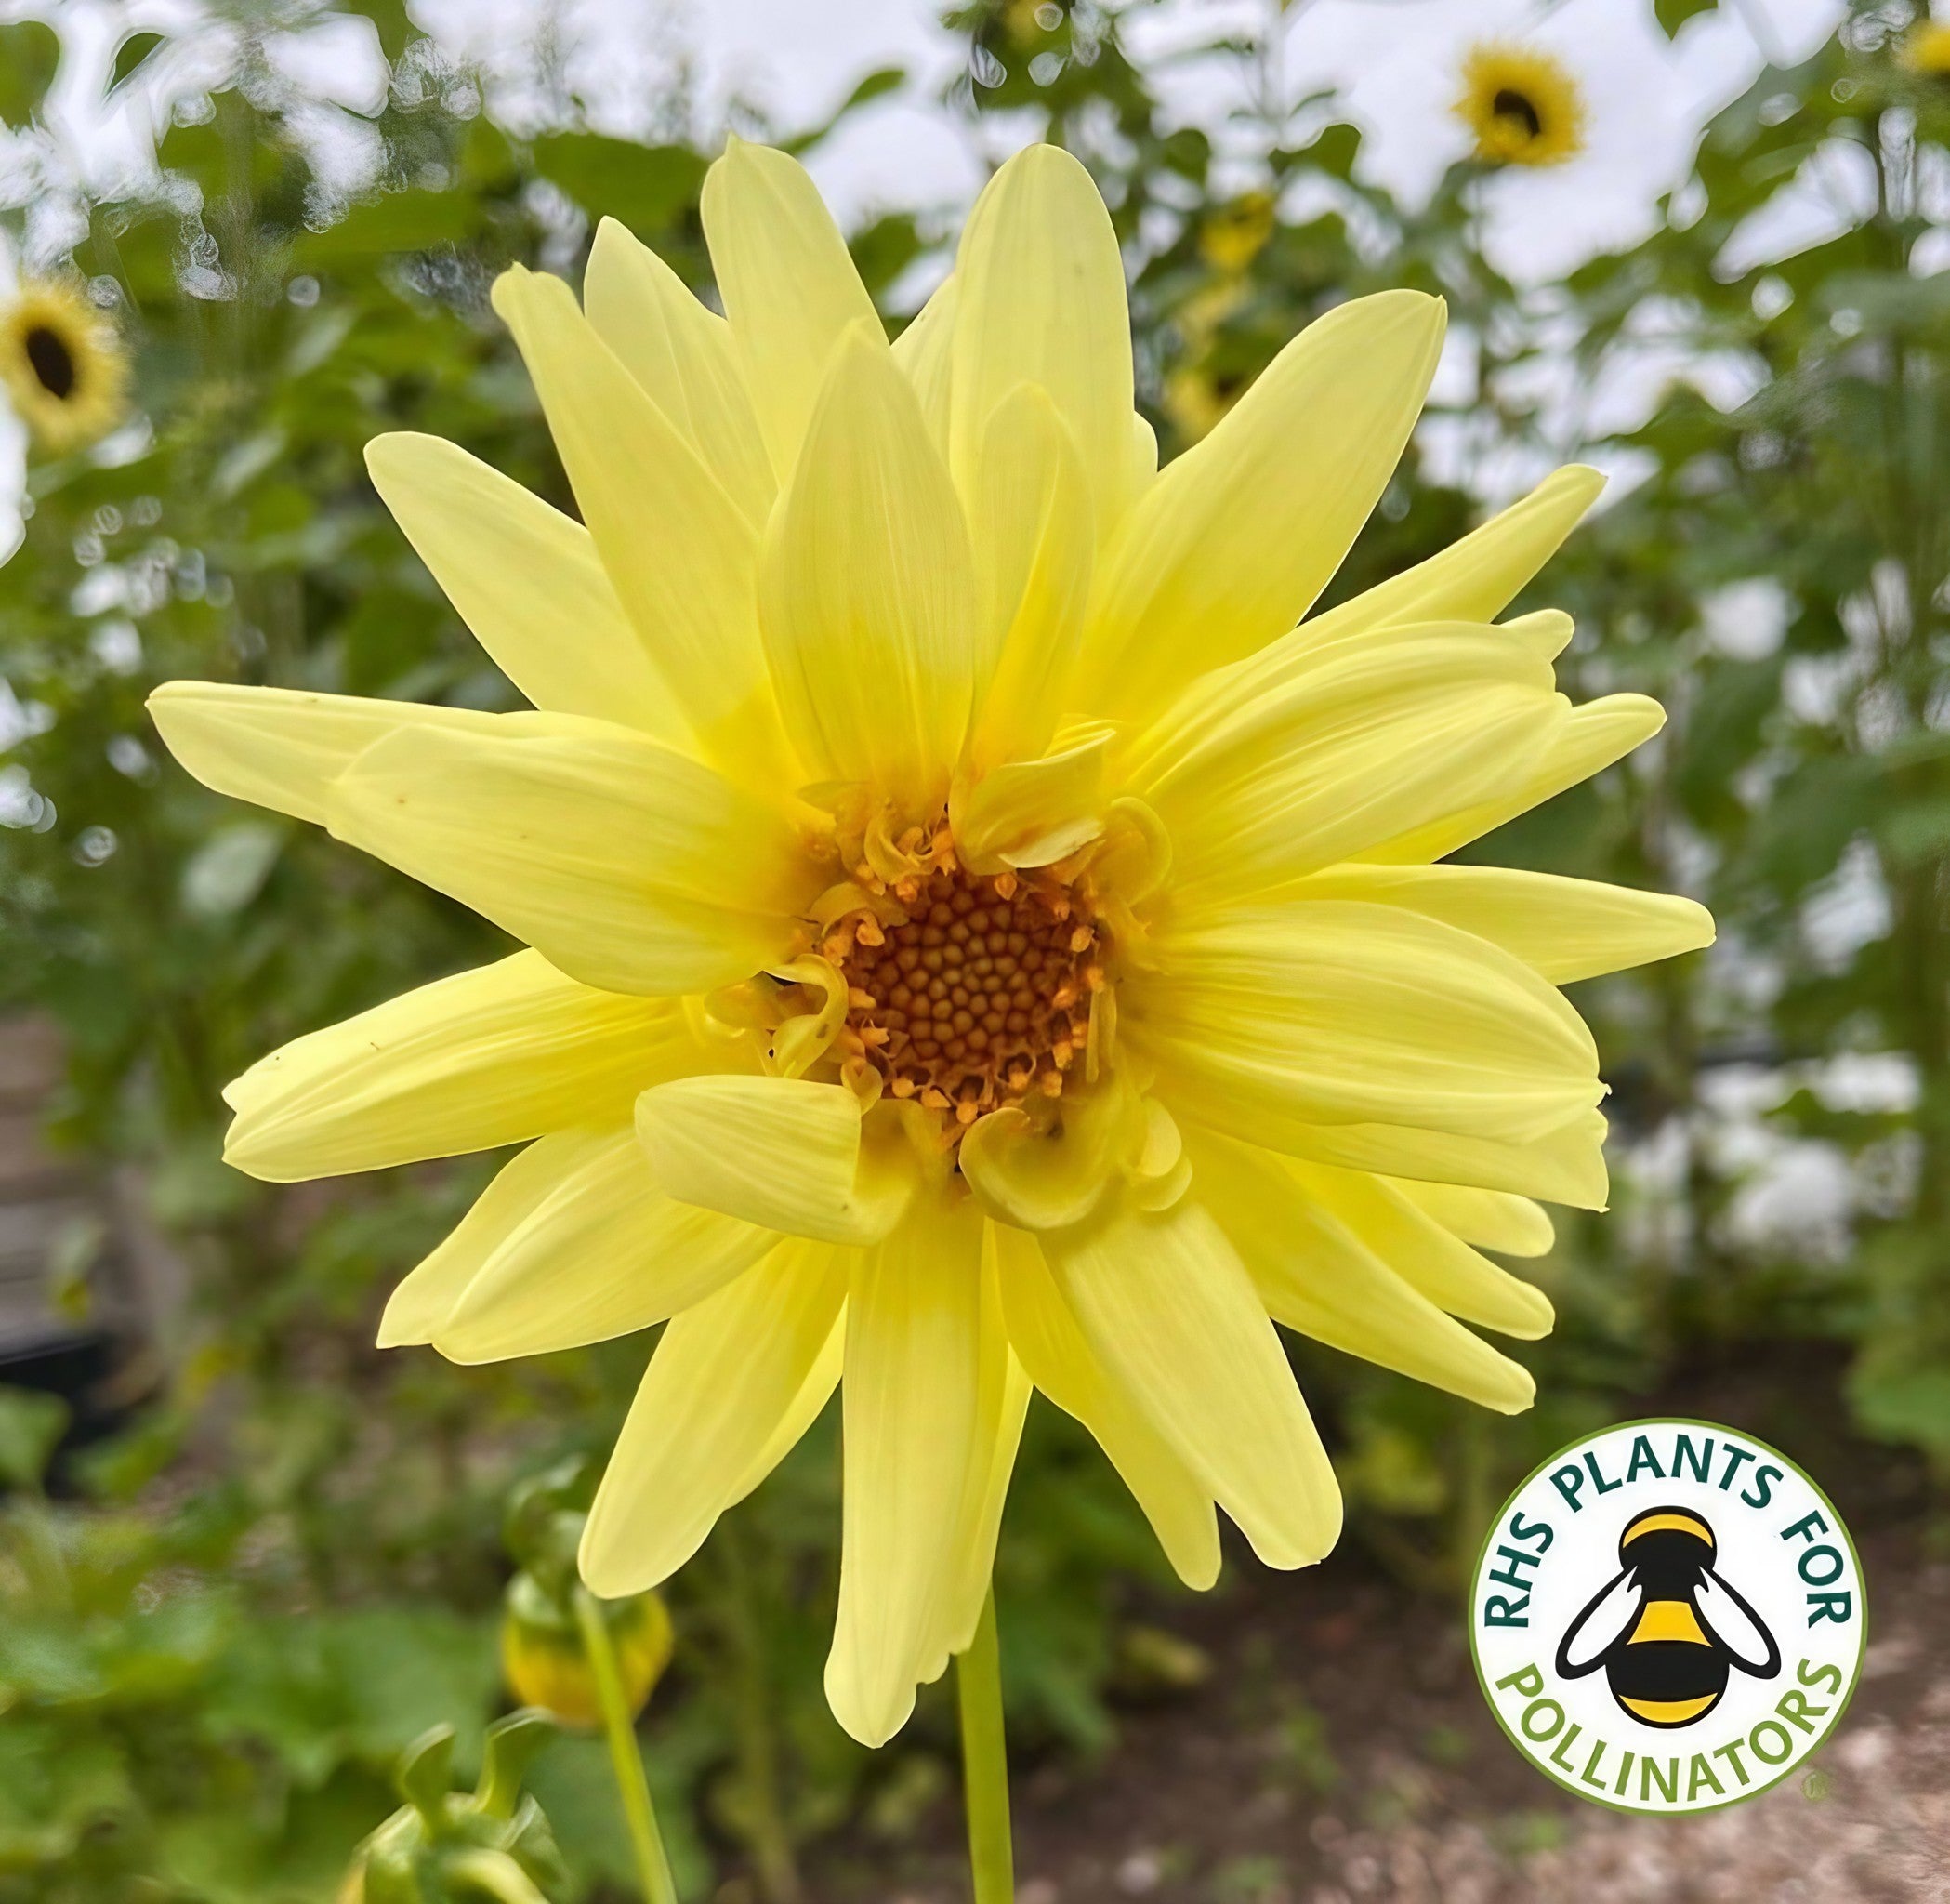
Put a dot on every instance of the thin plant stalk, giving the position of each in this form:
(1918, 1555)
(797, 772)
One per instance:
(984, 1762)
(768, 1833)
(619, 1727)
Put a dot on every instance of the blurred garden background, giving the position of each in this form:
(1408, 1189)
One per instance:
(246, 1558)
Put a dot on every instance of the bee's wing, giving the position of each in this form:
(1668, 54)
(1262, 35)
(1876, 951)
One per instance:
(1607, 1615)
(1737, 1626)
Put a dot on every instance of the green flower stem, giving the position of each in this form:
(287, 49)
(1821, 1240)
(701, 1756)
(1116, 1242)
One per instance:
(984, 1762)
(619, 1727)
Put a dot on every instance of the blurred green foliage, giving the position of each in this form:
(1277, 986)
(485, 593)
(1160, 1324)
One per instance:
(239, 1612)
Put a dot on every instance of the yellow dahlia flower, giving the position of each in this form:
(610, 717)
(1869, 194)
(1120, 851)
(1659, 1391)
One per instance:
(982, 937)
(1924, 49)
(1525, 106)
(63, 370)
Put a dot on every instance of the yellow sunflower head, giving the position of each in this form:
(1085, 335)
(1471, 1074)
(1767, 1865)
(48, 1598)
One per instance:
(984, 934)
(1924, 49)
(1525, 107)
(1233, 234)
(63, 367)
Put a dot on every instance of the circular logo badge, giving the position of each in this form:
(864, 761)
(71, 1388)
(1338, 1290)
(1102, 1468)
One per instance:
(1668, 1617)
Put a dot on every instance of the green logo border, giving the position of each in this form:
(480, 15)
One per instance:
(1586, 1793)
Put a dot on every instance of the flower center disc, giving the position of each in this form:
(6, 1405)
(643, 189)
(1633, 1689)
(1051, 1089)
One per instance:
(983, 996)
(1510, 104)
(51, 361)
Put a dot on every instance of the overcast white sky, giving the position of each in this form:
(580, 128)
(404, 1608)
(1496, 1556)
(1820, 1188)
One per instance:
(1394, 61)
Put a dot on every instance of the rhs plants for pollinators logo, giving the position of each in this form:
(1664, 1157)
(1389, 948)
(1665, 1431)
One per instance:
(1668, 1617)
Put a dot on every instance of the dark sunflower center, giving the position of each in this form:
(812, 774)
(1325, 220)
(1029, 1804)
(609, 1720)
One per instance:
(1509, 104)
(982, 997)
(51, 361)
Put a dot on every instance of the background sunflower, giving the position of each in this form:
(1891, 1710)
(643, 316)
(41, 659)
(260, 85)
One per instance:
(1525, 106)
(63, 365)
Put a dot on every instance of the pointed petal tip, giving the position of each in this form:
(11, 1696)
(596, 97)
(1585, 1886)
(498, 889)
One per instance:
(872, 1718)
(1053, 161)
(1534, 1316)
(1286, 1551)
(401, 1331)
(507, 287)
(1203, 1578)
(603, 1569)
(246, 1152)
(1518, 1398)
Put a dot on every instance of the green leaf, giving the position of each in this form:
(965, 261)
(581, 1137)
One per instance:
(32, 1425)
(645, 187)
(229, 870)
(1674, 14)
(509, 1748)
(130, 54)
(425, 1773)
(30, 53)
(1335, 150)
(877, 83)
(401, 222)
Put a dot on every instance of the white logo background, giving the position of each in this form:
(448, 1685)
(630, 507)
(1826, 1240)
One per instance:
(1781, 1545)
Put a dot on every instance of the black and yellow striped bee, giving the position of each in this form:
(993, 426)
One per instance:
(1667, 1629)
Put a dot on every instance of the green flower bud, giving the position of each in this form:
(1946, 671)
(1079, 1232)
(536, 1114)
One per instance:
(443, 1846)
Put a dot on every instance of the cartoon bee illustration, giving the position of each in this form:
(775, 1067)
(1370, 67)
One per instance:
(1667, 1629)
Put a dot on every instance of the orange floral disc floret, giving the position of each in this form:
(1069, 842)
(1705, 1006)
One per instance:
(981, 997)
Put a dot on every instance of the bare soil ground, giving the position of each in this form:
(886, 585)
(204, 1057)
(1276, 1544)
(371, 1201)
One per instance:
(1340, 1751)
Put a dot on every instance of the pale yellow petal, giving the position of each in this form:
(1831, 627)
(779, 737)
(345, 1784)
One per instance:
(1489, 1219)
(1477, 577)
(425, 1298)
(1564, 929)
(565, 1193)
(1031, 813)
(684, 357)
(925, 351)
(1040, 299)
(1563, 1166)
(1053, 1168)
(1439, 1264)
(804, 1408)
(1035, 545)
(1232, 544)
(1168, 1309)
(1143, 455)
(1261, 778)
(1590, 740)
(1317, 1273)
(786, 1152)
(867, 591)
(488, 1057)
(678, 552)
(725, 1376)
(573, 1244)
(1003, 1403)
(789, 287)
(281, 748)
(527, 580)
(1060, 1362)
(624, 864)
(923, 1386)
(1274, 1019)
